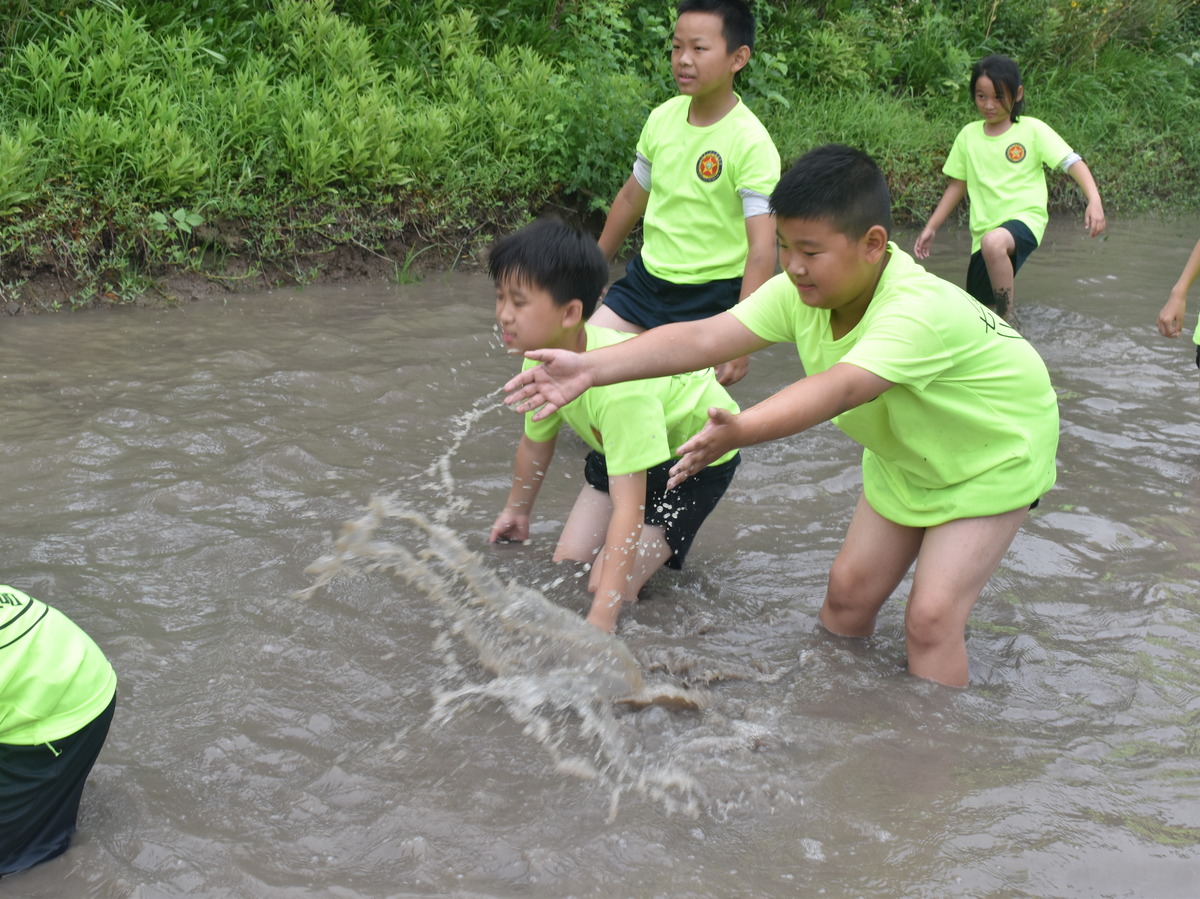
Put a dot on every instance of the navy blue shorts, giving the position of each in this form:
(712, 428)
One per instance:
(649, 301)
(40, 788)
(979, 285)
(679, 512)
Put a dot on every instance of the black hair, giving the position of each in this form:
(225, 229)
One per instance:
(1005, 77)
(737, 20)
(839, 184)
(552, 256)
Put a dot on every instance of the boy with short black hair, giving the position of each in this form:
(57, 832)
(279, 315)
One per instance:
(954, 409)
(548, 279)
(708, 237)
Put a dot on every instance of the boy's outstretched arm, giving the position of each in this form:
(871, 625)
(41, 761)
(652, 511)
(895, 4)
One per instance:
(626, 210)
(796, 408)
(954, 192)
(620, 550)
(760, 266)
(1170, 319)
(1093, 216)
(528, 471)
(666, 350)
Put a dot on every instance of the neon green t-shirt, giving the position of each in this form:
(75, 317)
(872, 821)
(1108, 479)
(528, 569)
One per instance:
(53, 678)
(694, 227)
(637, 424)
(970, 427)
(1004, 174)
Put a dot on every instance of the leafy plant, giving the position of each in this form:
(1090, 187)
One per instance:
(179, 220)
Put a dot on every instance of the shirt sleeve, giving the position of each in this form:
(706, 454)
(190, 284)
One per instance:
(1052, 149)
(956, 162)
(758, 169)
(765, 311)
(641, 171)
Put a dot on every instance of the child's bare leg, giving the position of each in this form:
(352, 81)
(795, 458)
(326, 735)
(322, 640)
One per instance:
(606, 318)
(873, 559)
(586, 530)
(954, 564)
(997, 247)
(586, 527)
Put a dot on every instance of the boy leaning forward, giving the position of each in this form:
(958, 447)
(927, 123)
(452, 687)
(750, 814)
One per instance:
(624, 523)
(954, 409)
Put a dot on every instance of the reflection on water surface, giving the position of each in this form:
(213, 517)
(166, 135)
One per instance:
(168, 477)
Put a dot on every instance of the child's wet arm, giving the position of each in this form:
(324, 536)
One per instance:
(1170, 318)
(760, 255)
(1082, 176)
(809, 402)
(628, 495)
(626, 210)
(529, 470)
(672, 349)
(1190, 270)
(950, 198)
(1093, 217)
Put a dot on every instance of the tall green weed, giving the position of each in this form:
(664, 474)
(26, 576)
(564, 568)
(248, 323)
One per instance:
(448, 117)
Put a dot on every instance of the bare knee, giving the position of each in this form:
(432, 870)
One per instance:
(929, 624)
(850, 606)
(996, 244)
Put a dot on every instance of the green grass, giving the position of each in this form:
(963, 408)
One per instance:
(276, 134)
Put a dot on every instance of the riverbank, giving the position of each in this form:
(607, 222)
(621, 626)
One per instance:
(153, 154)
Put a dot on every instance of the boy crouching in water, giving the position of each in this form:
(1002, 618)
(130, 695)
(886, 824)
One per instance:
(954, 409)
(549, 278)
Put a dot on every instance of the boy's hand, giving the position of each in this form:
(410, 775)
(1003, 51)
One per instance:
(510, 526)
(732, 371)
(720, 435)
(921, 247)
(1093, 219)
(559, 379)
(1170, 319)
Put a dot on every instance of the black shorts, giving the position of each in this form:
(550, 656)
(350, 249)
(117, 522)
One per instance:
(1198, 355)
(979, 285)
(40, 788)
(679, 512)
(649, 301)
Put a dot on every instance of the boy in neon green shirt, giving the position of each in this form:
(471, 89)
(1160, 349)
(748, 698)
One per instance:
(954, 409)
(57, 695)
(625, 523)
(703, 170)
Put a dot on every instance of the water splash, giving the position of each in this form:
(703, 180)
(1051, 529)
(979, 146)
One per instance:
(544, 660)
(440, 468)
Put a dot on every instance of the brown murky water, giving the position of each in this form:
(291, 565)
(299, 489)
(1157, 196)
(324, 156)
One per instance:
(431, 722)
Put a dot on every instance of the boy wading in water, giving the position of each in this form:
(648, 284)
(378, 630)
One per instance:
(704, 168)
(954, 409)
(624, 523)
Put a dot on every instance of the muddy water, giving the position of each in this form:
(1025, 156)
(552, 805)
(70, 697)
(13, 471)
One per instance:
(433, 719)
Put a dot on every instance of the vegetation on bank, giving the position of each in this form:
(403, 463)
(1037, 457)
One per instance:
(250, 143)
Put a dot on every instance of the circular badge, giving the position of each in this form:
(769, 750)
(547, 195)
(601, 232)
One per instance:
(1015, 152)
(708, 166)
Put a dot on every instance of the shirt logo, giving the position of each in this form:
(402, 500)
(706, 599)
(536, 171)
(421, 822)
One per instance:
(708, 166)
(1015, 152)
